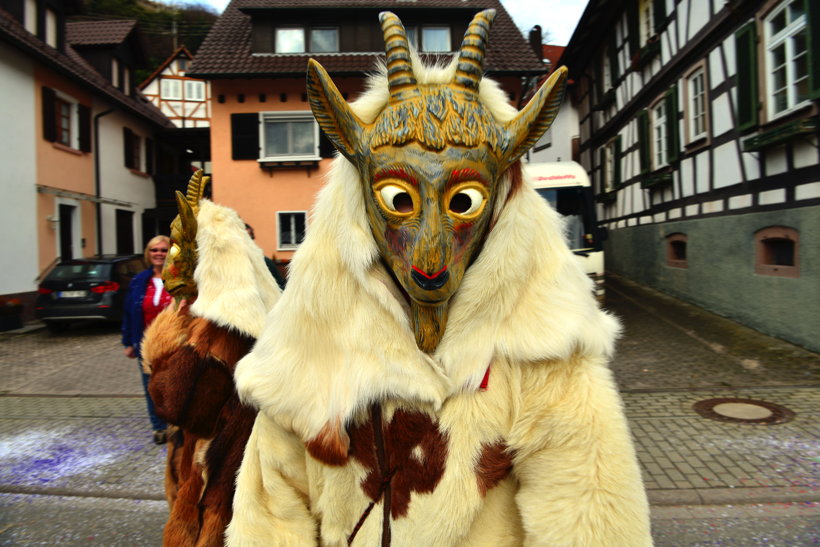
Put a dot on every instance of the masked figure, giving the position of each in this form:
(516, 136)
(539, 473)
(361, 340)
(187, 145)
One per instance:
(436, 372)
(191, 358)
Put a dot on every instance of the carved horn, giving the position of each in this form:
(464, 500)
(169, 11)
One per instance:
(196, 188)
(400, 75)
(470, 66)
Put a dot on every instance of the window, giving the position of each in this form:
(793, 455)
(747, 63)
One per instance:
(289, 136)
(194, 91)
(115, 73)
(658, 135)
(777, 252)
(647, 18)
(676, 251)
(658, 132)
(132, 145)
(182, 65)
(291, 229)
(696, 116)
(787, 58)
(290, 40)
(324, 40)
(611, 165)
(51, 28)
(433, 38)
(65, 122)
(170, 89)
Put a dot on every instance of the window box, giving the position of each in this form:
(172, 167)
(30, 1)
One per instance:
(649, 51)
(607, 197)
(780, 134)
(656, 180)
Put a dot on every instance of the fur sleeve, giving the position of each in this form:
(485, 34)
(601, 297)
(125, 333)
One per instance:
(580, 483)
(270, 506)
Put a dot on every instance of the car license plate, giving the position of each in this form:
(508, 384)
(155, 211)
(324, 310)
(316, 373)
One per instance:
(71, 294)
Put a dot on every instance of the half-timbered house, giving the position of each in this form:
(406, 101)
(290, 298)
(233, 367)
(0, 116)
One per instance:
(185, 101)
(698, 122)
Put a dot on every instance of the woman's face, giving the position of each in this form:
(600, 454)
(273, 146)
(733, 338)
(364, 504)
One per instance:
(157, 253)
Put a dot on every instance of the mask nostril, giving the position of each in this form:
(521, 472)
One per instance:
(430, 282)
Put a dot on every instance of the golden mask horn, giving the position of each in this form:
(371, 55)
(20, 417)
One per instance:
(470, 66)
(196, 188)
(400, 75)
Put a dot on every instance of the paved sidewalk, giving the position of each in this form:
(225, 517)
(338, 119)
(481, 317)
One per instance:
(74, 431)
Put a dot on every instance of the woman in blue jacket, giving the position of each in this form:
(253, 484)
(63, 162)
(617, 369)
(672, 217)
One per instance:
(146, 298)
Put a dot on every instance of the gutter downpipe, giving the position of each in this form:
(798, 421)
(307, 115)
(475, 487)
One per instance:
(97, 183)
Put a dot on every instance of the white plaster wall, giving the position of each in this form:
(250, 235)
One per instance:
(775, 160)
(702, 174)
(721, 115)
(727, 170)
(805, 152)
(687, 179)
(18, 137)
(698, 16)
(560, 134)
(117, 181)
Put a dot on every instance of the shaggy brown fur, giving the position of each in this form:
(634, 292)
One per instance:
(192, 362)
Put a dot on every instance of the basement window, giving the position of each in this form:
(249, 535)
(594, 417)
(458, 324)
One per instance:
(676, 251)
(777, 252)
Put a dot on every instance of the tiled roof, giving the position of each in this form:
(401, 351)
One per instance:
(73, 66)
(226, 51)
(98, 33)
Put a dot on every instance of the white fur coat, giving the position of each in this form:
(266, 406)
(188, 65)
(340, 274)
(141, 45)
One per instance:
(340, 339)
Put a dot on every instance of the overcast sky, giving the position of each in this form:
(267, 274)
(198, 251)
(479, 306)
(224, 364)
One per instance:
(557, 17)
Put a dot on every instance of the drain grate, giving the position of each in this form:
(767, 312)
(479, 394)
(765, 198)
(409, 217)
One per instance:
(743, 411)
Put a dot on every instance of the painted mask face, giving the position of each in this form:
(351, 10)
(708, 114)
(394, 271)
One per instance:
(430, 165)
(178, 273)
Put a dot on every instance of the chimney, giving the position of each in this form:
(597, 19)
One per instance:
(535, 41)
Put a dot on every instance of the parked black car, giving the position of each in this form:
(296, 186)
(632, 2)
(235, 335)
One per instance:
(86, 288)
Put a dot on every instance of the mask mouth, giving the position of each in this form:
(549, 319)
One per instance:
(430, 282)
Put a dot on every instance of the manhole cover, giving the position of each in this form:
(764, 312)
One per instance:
(743, 411)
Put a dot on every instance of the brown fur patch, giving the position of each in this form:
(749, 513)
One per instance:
(164, 335)
(189, 389)
(223, 344)
(330, 446)
(416, 454)
(494, 464)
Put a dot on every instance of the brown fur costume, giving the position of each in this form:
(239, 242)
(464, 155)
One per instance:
(191, 359)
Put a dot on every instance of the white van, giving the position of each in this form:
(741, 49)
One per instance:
(566, 185)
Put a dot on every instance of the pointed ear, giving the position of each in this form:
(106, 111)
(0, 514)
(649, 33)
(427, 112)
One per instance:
(186, 217)
(533, 121)
(337, 120)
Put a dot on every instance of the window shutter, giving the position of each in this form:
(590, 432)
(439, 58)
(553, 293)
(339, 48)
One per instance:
(616, 163)
(813, 33)
(633, 26)
(643, 139)
(602, 167)
(672, 125)
(245, 136)
(128, 147)
(599, 83)
(49, 114)
(326, 148)
(746, 61)
(84, 117)
(658, 14)
(149, 156)
(614, 70)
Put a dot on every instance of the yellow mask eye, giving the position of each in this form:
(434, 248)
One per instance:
(467, 202)
(173, 251)
(396, 199)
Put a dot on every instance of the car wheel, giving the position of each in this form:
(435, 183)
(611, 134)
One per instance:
(56, 326)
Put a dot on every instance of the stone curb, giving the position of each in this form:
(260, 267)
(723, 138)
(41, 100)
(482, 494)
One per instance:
(732, 496)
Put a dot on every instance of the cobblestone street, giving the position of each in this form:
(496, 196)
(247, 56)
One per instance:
(78, 464)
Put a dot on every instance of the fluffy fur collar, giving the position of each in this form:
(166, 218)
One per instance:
(340, 336)
(235, 288)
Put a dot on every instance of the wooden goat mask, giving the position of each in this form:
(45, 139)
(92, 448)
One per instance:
(178, 272)
(431, 165)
